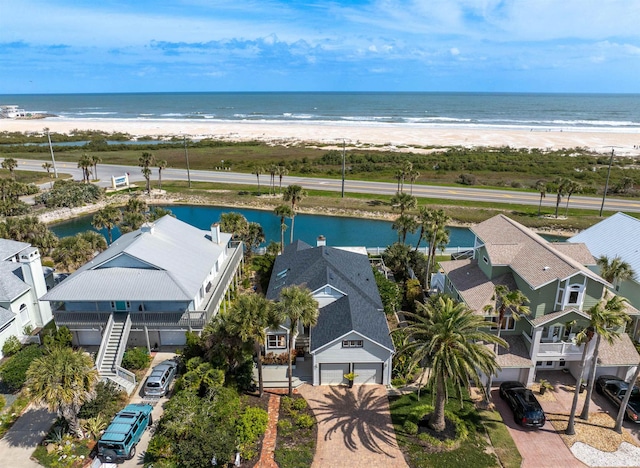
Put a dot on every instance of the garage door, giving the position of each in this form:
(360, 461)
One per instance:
(173, 338)
(89, 338)
(507, 374)
(333, 374)
(368, 373)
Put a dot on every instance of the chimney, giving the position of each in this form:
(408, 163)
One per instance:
(215, 233)
(322, 241)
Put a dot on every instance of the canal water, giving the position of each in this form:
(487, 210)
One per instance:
(339, 231)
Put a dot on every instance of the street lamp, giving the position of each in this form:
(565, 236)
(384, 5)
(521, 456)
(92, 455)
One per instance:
(186, 156)
(606, 185)
(53, 159)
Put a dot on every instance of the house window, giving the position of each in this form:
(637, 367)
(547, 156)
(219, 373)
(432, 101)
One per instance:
(24, 314)
(486, 260)
(277, 341)
(574, 295)
(508, 323)
(120, 306)
(352, 344)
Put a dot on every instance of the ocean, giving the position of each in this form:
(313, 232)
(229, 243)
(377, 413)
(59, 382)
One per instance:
(591, 112)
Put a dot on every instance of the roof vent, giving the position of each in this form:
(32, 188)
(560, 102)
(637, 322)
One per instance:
(545, 268)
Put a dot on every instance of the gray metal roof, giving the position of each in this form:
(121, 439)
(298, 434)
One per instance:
(618, 235)
(6, 316)
(9, 248)
(170, 261)
(11, 281)
(360, 310)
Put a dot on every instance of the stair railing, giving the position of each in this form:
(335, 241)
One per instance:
(105, 340)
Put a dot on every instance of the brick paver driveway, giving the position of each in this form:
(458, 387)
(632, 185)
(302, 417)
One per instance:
(354, 427)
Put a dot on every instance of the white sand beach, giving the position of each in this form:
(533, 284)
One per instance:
(391, 136)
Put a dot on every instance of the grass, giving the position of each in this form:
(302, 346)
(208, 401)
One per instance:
(503, 444)
(472, 453)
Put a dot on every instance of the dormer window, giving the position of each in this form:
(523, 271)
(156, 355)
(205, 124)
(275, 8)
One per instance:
(574, 295)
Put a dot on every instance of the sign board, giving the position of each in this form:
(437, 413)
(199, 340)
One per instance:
(121, 181)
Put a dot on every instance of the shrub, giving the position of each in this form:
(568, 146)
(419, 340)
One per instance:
(286, 402)
(305, 421)
(11, 346)
(136, 358)
(410, 427)
(285, 425)
(108, 401)
(3, 402)
(61, 337)
(14, 372)
(300, 404)
(467, 179)
(251, 425)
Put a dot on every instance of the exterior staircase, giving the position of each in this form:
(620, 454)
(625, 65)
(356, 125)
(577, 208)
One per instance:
(112, 348)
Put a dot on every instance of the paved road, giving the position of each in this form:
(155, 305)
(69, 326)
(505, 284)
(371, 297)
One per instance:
(105, 172)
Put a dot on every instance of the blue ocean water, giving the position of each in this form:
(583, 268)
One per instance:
(508, 110)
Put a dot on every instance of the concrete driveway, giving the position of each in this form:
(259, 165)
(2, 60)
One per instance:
(354, 427)
(21, 440)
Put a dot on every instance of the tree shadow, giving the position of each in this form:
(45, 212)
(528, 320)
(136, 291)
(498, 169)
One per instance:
(30, 428)
(359, 415)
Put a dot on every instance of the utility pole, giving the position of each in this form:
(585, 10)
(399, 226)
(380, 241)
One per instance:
(606, 185)
(344, 149)
(53, 159)
(186, 156)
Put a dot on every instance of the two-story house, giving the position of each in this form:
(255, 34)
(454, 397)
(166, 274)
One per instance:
(352, 333)
(147, 289)
(22, 281)
(559, 286)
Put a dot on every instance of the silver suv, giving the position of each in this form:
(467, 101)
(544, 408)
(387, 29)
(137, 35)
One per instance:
(162, 375)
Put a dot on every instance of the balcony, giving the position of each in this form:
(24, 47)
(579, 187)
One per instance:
(562, 349)
(153, 320)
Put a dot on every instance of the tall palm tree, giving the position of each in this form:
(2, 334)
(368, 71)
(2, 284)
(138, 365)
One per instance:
(615, 270)
(541, 186)
(602, 317)
(571, 187)
(451, 339)
(10, 164)
(95, 160)
(134, 215)
(607, 316)
(396, 257)
(404, 224)
(295, 194)
(438, 237)
(234, 223)
(64, 380)
(413, 176)
(283, 211)
(403, 202)
(85, 164)
(281, 172)
(257, 170)
(625, 401)
(107, 218)
(506, 300)
(145, 161)
(273, 169)
(250, 316)
(252, 238)
(561, 184)
(297, 307)
(160, 164)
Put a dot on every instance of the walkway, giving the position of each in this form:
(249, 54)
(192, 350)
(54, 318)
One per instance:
(23, 438)
(270, 436)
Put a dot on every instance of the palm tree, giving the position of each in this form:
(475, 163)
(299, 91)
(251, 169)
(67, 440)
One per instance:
(252, 238)
(413, 176)
(561, 184)
(281, 172)
(396, 257)
(506, 300)
(145, 161)
(273, 169)
(607, 316)
(601, 318)
(570, 188)
(625, 401)
(107, 218)
(64, 380)
(403, 201)
(541, 186)
(450, 337)
(249, 317)
(404, 224)
(297, 307)
(160, 164)
(95, 160)
(234, 223)
(615, 270)
(134, 215)
(85, 164)
(295, 194)
(399, 175)
(283, 211)
(257, 170)
(438, 237)
(10, 164)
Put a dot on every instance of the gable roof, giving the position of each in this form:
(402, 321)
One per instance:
(168, 260)
(359, 310)
(536, 260)
(618, 235)
(6, 316)
(9, 248)
(12, 282)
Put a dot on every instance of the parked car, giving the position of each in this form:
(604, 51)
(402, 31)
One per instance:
(159, 381)
(523, 403)
(119, 441)
(614, 389)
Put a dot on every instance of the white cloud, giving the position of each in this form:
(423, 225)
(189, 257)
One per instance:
(454, 51)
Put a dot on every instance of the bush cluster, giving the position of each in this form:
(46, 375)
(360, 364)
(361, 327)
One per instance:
(251, 425)
(108, 401)
(69, 194)
(14, 371)
(136, 358)
(11, 346)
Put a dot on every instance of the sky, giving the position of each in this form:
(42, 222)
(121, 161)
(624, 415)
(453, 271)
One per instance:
(81, 46)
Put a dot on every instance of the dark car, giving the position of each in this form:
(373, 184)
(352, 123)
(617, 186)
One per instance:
(523, 403)
(614, 389)
(162, 375)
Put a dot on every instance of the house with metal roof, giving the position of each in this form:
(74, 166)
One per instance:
(561, 287)
(22, 280)
(352, 333)
(616, 236)
(147, 289)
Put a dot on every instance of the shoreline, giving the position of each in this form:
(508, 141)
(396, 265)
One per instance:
(383, 136)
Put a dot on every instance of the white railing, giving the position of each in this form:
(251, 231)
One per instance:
(122, 343)
(30, 339)
(437, 281)
(125, 374)
(103, 344)
(425, 250)
(559, 348)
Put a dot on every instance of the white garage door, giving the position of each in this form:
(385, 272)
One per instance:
(89, 338)
(507, 374)
(173, 338)
(368, 373)
(333, 374)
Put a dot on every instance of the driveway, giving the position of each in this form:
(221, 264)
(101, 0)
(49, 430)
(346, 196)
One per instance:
(354, 427)
(21, 440)
(540, 448)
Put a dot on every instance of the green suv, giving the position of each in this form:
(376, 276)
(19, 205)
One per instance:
(119, 441)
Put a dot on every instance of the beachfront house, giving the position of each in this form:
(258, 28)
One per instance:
(23, 280)
(560, 287)
(352, 334)
(147, 289)
(617, 236)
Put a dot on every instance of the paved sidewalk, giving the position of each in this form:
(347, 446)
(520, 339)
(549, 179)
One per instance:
(21, 440)
(269, 441)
